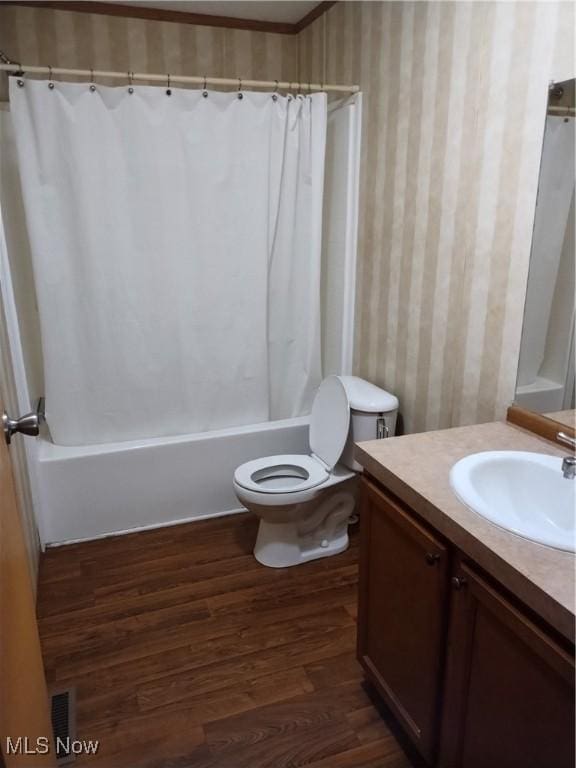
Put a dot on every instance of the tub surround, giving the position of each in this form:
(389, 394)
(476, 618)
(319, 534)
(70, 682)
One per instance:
(567, 418)
(415, 468)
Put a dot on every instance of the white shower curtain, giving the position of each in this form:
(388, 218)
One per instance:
(176, 249)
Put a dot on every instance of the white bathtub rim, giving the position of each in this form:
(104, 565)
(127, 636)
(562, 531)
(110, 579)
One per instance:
(49, 451)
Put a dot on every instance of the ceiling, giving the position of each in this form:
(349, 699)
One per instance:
(279, 11)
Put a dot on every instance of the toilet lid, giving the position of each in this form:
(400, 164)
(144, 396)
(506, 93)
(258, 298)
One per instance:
(330, 421)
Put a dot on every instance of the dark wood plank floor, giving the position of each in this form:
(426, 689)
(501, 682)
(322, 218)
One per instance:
(186, 652)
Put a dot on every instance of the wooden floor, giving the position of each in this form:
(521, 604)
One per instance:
(186, 652)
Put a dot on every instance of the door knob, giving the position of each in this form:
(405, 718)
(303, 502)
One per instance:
(25, 425)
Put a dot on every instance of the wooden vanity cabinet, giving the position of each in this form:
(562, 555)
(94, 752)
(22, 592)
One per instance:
(403, 599)
(474, 680)
(509, 692)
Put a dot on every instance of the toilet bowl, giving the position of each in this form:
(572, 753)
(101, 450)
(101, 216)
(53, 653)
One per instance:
(305, 501)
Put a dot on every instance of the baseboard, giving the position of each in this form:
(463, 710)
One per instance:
(151, 527)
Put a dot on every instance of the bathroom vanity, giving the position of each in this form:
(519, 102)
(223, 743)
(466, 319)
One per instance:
(465, 630)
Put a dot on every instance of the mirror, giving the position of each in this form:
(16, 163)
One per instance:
(545, 381)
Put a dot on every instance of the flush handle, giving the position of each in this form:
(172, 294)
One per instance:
(381, 428)
(25, 425)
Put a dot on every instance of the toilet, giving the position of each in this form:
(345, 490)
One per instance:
(305, 501)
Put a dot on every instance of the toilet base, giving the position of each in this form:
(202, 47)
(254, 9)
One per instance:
(279, 545)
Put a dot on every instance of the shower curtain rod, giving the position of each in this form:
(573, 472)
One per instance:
(562, 111)
(239, 82)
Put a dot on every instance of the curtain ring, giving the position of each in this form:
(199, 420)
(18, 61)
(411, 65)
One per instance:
(50, 83)
(19, 74)
(130, 81)
(168, 89)
(240, 94)
(205, 89)
(275, 94)
(92, 86)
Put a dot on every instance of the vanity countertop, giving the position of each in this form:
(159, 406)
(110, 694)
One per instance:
(416, 469)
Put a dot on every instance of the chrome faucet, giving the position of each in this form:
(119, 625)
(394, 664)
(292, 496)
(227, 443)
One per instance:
(568, 462)
(569, 467)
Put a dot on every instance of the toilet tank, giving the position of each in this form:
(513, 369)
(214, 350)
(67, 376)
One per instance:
(373, 413)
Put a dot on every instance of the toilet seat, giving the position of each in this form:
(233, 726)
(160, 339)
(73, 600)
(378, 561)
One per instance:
(285, 473)
(289, 473)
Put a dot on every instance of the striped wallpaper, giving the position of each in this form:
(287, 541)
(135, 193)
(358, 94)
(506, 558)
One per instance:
(455, 96)
(455, 100)
(82, 40)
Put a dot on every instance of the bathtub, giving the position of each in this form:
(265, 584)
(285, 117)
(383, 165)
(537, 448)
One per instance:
(99, 490)
(88, 492)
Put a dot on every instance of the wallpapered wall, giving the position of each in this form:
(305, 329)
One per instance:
(83, 40)
(455, 100)
(455, 97)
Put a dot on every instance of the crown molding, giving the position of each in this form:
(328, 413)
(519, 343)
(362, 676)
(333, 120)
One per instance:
(312, 15)
(179, 17)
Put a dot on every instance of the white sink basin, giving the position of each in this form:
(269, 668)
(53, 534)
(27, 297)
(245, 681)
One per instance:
(522, 492)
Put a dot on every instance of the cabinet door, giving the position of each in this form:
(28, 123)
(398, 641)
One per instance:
(402, 610)
(509, 696)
